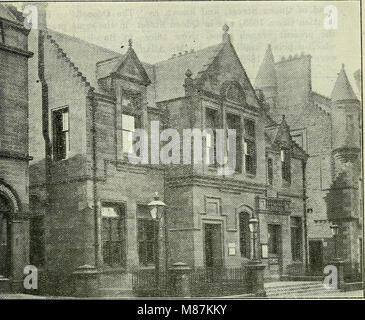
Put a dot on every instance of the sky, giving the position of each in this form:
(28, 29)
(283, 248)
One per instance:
(159, 29)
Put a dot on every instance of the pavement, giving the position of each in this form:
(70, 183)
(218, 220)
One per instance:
(358, 294)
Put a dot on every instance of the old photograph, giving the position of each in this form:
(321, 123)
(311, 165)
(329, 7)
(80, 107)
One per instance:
(188, 150)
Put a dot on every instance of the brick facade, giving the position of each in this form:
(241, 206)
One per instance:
(96, 172)
(14, 157)
(318, 124)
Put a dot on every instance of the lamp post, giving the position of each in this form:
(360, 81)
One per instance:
(335, 229)
(253, 224)
(156, 212)
(255, 267)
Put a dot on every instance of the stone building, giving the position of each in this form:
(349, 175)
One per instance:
(91, 201)
(14, 156)
(329, 130)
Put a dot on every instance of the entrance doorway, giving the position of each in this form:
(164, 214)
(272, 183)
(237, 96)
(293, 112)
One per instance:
(275, 250)
(213, 246)
(316, 256)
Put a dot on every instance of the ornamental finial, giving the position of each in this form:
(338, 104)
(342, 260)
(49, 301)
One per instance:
(130, 43)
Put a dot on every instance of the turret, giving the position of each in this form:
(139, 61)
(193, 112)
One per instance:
(345, 113)
(266, 78)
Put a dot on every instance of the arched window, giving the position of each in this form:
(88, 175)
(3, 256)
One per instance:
(245, 236)
(5, 209)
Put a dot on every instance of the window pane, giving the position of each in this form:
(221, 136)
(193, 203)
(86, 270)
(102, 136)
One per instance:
(270, 173)
(249, 127)
(147, 231)
(128, 122)
(65, 120)
(60, 134)
(245, 236)
(127, 142)
(113, 234)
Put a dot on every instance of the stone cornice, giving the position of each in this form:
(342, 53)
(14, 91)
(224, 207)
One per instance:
(15, 155)
(215, 182)
(15, 50)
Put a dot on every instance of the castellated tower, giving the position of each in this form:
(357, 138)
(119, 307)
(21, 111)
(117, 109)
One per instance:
(266, 78)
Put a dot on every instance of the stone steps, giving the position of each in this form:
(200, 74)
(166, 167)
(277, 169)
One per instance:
(296, 289)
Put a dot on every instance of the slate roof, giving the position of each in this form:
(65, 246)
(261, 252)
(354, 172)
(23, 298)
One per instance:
(170, 74)
(343, 89)
(167, 76)
(266, 76)
(83, 54)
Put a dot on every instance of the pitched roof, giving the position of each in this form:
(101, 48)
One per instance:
(170, 74)
(5, 13)
(106, 67)
(83, 54)
(266, 76)
(167, 76)
(342, 89)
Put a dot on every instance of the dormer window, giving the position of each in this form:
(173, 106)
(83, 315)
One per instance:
(285, 165)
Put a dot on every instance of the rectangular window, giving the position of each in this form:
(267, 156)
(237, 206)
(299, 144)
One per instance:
(270, 171)
(245, 235)
(249, 147)
(147, 233)
(129, 124)
(274, 233)
(61, 138)
(234, 122)
(113, 234)
(285, 165)
(296, 238)
(211, 122)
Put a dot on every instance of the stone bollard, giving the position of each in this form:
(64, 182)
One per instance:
(256, 278)
(339, 264)
(180, 280)
(86, 281)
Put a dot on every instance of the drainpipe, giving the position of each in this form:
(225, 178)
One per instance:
(45, 121)
(304, 163)
(97, 245)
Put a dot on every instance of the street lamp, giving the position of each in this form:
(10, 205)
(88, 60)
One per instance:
(156, 212)
(253, 224)
(335, 229)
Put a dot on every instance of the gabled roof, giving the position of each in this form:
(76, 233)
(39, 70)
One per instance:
(105, 68)
(342, 89)
(278, 135)
(5, 13)
(170, 74)
(266, 76)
